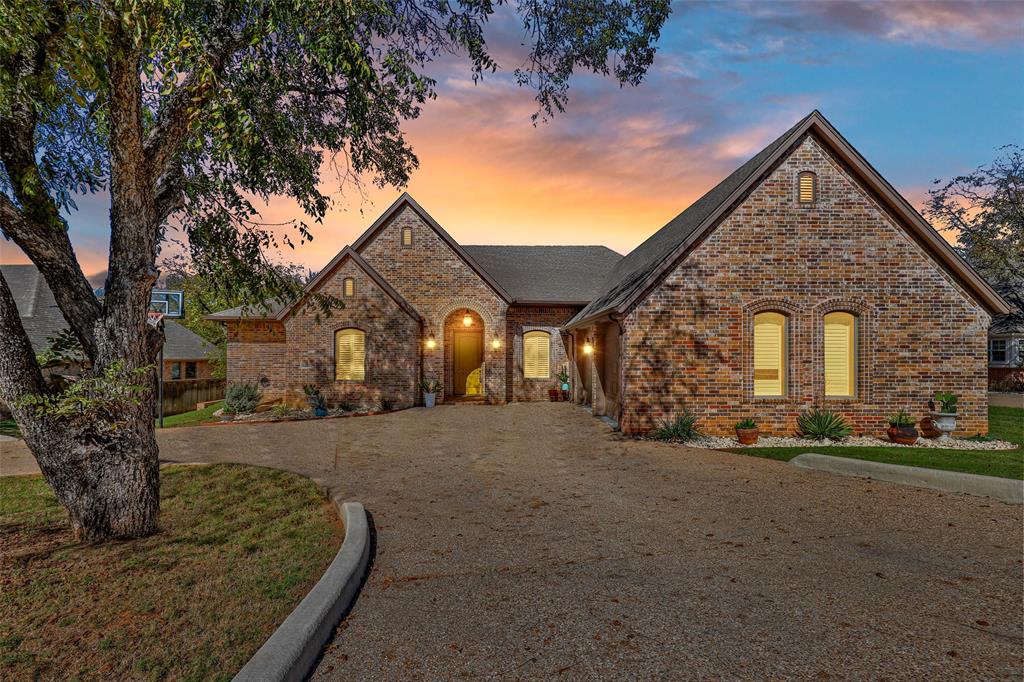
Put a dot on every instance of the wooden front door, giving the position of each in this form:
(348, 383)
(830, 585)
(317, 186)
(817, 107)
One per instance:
(467, 356)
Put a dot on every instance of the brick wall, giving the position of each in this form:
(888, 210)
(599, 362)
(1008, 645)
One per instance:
(392, 343)
(256, 354)
(689, 342)
(522, 319)
(439, 284)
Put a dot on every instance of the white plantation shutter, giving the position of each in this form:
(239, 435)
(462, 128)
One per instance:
(349, 355)
(769, 354)
(536, 355)
(840, 355)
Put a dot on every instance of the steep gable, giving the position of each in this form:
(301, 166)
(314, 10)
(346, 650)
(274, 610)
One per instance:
(642, 268)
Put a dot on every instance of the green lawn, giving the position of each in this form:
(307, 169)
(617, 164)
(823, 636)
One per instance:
(194, 417)
(239, 548)
(1005, 423)
(8, 427)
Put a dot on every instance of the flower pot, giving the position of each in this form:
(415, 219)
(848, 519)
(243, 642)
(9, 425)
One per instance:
(904, 435)
(429, 399)
(929, 429)
(320, 411)
(944, 422)
(748, 436)
(565, 395)
(553, 394)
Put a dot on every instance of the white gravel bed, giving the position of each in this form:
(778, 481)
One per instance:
(719, 442)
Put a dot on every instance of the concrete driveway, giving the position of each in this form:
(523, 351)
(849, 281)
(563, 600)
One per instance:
(529, 541)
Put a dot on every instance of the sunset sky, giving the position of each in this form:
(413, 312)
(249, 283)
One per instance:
(923, 89)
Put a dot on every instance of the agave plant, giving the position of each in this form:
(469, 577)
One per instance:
(822, 425)
(682, 428)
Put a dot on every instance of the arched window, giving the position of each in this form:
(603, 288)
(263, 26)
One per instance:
(349, 355)
(406, 236)
(840, 355)
(349, 287)
(808, 187)
(770, 351)
(537, 355)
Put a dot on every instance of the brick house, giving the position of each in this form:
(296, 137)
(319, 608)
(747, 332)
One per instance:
(801, 279)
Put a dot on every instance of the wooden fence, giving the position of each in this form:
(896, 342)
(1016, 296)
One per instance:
(182, 396)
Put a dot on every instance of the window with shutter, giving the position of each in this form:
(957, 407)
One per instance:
(349, 287)
(770, 355)
(536, 355)
(807, 187)
(349, 355)
(840, 355)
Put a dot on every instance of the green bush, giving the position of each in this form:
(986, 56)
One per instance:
(947, 402)
(241, 398)
(682, 428)
(823, 424)
(386, 404)
(901, 418)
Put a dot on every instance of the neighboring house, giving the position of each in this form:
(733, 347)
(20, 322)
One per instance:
(1006, 351)
(185, 353)
(802, 279)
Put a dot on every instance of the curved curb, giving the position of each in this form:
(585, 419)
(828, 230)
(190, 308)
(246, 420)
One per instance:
(293, 649)
(1002, 489)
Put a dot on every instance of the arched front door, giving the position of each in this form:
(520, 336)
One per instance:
(464, 332)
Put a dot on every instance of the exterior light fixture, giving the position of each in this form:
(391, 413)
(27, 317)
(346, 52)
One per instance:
(467, 321)
(588, 348)
(431, 342)
(496, 343)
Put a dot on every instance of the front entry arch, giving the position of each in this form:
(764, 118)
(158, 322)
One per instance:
(464, 356)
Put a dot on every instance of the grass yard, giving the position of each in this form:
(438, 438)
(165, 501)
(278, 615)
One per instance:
(9, 427)
(1005, 423)
(240, 547)
(194, 417)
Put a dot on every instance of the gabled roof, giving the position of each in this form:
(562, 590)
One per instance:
(279, 311)
(406, 200)
(42, 319)
(547, 274)
(646, 265)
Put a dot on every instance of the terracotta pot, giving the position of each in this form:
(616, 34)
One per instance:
(904, 435)
(553, 395)
(748, 436)
(929, 429)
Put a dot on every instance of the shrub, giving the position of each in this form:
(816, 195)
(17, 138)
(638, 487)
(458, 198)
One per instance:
(281, 410)
(747, 423)
(346, 405)
(386, 404)
(431, 385)
(901, 418)
(947, 402)
(241, 398)
(823, 424)
(682, 428)
(1011, 383)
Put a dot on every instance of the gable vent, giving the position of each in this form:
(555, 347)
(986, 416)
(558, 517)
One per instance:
(807, 187)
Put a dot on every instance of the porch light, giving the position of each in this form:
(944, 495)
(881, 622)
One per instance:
(588, 348)
(496, 343)
(467, 320)
(431, 342)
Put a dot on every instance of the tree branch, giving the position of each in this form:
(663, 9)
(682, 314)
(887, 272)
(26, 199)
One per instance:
(19, 372)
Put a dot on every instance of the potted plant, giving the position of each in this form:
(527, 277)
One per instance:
(563, 379)
(901, 428)
(747, 432)
(431, 387)
(315, 399)
(945, 418)
(553, 394)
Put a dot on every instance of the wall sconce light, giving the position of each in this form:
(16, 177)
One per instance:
(431, 342)
(496, 343)
(467, 320)
(588, 348)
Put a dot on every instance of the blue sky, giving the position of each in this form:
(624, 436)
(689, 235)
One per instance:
(923, 89)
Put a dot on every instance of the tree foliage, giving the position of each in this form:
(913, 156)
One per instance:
(985, 210)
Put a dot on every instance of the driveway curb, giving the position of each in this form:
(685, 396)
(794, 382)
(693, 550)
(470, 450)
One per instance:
(1002, 489)
(294, 648)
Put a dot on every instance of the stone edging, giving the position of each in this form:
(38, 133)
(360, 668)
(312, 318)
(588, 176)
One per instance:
(294, 648)
(1002, 489)
(242, 422)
